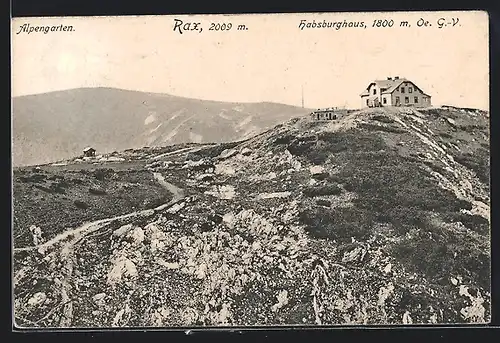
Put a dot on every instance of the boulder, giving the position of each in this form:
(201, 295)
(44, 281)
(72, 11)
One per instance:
(122, 230)
(316, 169)
(227, 153)
(246, 151)
(37, 299)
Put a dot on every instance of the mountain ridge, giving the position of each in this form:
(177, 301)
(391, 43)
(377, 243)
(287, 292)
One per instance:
(59, 124)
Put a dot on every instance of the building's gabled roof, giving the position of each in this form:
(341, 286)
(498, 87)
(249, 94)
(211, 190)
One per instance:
(88, 149)
(389, 86)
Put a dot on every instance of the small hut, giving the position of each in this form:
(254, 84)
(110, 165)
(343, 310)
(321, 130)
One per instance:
(332, 113)
(89, 152)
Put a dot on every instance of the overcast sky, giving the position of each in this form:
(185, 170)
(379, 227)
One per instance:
(270, 61)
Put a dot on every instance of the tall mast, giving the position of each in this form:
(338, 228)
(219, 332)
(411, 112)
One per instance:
(302, 96)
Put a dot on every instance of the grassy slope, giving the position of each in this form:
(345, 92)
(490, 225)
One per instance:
(373, 239)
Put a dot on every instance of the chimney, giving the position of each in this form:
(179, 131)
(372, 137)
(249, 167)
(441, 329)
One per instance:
(389, 78)
(396, 77)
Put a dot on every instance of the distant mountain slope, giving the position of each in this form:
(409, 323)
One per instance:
(58, 125)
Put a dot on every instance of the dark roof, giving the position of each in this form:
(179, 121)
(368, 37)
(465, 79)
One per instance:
(88, 149)
(388, 86)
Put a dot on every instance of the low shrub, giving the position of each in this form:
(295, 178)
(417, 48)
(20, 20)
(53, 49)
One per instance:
(323, 202)
(440, 254)
(474, 222)
(383, 119)
(321, 190)
(445, 135)
(384, 128)
(471, 128)
(284, 139)
(81, 204)
(479, 162)
(321, 176)
(97, 191)
(337, 223)
(103, 173)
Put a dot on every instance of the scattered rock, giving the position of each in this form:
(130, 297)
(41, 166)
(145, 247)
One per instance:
(451, 122)
(122, 230)
(200, 272)
(222, 192)
(98, 297)
(407, 319)
(228, 218)
(224, 169)
(201, 165)
(36, 232)
(122, 266)
(215, 218)
(282, 301)
(176, 208)
(246, 151)
(168, 265)
(356, 254)
(316, 169)
(205, 177)
(384, 293)
(118, 317)
(227, 154)
(296, 165)
(37, 299)
(137, 234)
(273, 195)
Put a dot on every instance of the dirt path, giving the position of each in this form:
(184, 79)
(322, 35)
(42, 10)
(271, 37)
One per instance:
(183, 150)
(67, 253)
(178, 194)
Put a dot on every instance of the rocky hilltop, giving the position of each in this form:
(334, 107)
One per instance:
(381, 217)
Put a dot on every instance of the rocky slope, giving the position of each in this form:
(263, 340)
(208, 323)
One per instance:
(381, 217)
(58, 125)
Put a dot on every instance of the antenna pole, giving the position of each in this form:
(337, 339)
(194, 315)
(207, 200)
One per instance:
(302, 96)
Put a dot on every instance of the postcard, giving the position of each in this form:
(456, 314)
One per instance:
(251, 170)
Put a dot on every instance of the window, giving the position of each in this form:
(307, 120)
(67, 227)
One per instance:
(402, 89)
(416, 99)
(374, 91)
(397, 100)
(407, 100)
(397, 89)
(385, 100)
(410, 89)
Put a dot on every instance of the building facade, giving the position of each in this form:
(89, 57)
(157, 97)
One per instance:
(89, 152)
(332, 113)
(394, 92)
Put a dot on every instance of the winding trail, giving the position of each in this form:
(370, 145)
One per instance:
(67, 253)
(178, 194)
(176, 152)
